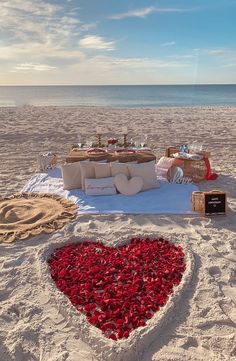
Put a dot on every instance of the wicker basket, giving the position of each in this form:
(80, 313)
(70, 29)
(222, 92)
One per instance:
(194, 169)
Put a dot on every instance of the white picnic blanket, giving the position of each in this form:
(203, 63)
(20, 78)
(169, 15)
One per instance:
(170, 198)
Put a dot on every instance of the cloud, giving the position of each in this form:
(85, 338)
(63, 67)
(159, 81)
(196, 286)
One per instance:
(29, 67)
(36, 52)
(218, 52)
(39, 21)
(170, 43)
(25, 7)
(218, 57)
(134, 63)
(181, 56)
(40, 32)
(31, 30)
(96, 42)
(231, 65)
(141, 13)
(89, 26)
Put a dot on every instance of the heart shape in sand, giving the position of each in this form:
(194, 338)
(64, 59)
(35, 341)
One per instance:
(126, 186)
(118, 289)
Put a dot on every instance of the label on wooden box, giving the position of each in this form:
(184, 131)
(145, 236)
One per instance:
(215, 203)
(209, 203)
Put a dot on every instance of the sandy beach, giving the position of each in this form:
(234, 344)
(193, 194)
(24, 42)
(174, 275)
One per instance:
(34, 323)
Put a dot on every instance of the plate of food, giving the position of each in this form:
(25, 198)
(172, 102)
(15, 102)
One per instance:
(144, 150)
(189, 156)
(125, 151)
(96, 151)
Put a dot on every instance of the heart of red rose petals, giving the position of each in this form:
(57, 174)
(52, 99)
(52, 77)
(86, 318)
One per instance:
(118, 289)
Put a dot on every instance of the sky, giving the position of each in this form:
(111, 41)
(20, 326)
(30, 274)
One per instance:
(115, 42)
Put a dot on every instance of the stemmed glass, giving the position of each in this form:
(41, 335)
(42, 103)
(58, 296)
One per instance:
(195, 147)
(137, 142)
(89, 143)
(79, 140)
(144, 140)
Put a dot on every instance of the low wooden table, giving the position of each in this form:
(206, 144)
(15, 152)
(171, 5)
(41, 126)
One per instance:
(77, 155)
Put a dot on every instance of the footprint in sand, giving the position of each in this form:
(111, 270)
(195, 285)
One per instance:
(189, 342)
(214, 271)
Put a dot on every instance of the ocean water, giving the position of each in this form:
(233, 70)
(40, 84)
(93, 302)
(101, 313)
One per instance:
(119, 96)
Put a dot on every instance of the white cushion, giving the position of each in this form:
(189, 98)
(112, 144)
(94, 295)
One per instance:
(128, 187)
(147, 172)
(165, 163)
(118, 168)
(100, 186)
(102, 170)
(71, 175)
(87, 171)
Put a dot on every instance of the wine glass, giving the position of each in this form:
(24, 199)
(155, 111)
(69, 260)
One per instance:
(137, 142)
(79, 140)
(89, 143)
(144, 140)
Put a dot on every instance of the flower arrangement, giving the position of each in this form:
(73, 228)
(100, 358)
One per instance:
(112, 141)
(118, 289)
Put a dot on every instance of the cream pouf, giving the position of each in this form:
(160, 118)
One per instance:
(128, 187)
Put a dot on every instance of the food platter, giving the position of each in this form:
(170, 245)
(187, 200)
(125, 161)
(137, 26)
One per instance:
(96, 151)
(126, 151)
(188, 156)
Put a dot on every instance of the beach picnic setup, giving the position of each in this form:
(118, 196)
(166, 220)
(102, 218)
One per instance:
(118, 290)
(117, 180)
(121, 177)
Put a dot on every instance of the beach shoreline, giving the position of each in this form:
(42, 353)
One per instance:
(203, 325)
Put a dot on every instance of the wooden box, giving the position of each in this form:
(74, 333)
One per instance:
(209, 203)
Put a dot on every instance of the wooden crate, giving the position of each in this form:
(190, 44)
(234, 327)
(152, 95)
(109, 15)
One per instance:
(193, 169)
(209, 203)
(170, 151)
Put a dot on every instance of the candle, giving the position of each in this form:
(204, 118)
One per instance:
(124, 130)
(98, 130)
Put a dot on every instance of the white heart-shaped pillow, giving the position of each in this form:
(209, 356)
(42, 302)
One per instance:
(126, 186)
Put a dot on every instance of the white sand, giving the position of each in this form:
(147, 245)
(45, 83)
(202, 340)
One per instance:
(35, 321)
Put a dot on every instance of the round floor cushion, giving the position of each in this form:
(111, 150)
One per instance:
(28, 214)
(126, 186)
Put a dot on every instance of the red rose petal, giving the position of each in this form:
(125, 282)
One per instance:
(118, 289)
